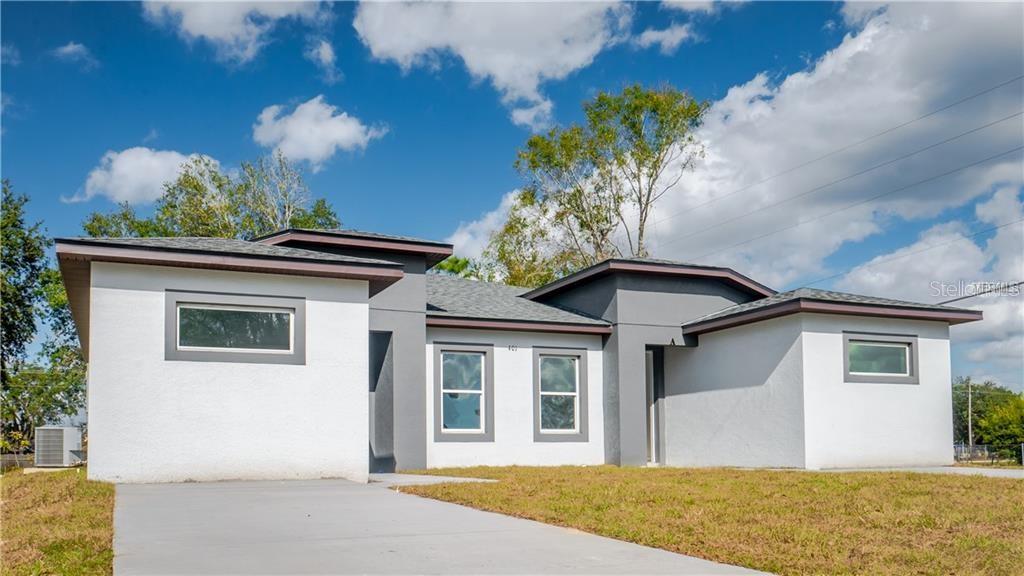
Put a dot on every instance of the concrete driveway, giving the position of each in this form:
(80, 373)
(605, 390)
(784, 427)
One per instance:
(336, 527)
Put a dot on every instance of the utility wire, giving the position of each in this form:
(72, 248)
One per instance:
(844, 178)
(855, 204)
(914, 253)
(989, 291)
(845, 148)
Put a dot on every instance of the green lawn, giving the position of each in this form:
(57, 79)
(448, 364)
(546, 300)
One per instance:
(787, 522)
(56, 523)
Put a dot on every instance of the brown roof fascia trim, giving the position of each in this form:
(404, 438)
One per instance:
(519, 325)
(662, 269)
(842, 308)
(181, 259)
(350, 241)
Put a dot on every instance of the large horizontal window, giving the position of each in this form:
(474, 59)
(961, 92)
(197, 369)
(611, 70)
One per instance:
(214, 327)
(244, 329)
(867, 357)
(560, 395)
(463, 393)
(881, 358)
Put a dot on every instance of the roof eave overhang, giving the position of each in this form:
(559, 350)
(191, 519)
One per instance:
(849, 309)
(516, 325)
(611, 266)
(75, 258)
(433, 253)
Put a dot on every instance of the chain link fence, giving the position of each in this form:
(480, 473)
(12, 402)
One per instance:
(989, 453)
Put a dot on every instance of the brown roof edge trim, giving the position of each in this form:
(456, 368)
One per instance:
(847, 309)
(519, 325)
(93, 252)
(356, 242)
(663, 269)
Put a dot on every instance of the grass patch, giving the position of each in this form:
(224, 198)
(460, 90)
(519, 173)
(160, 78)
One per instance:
(56, 523)
(787, 522)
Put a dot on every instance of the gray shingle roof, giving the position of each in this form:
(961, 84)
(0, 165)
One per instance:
(818, 295)
(364, 234)
(229, 246)
(451, 296)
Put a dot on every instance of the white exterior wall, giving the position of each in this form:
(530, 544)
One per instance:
(513, 403)
(737, 398)
(864, 424)
(152, 420)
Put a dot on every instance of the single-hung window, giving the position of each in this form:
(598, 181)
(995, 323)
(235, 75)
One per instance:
(880, 358)
(559, 394)
(462, 391)
(211, 327)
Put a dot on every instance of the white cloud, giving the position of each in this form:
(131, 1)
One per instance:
(668, 39)
(237, 30)
(470, 238)
(10, 55)
(902, 63)
(313, 132)
(516, 46)
(76, 53)
(321, 53)
(134, 175)
(705, 6)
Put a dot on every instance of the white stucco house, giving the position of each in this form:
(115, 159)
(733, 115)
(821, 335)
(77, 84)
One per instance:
(308, 354)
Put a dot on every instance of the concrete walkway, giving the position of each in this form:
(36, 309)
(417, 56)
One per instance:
(339, 527)
(961, 470)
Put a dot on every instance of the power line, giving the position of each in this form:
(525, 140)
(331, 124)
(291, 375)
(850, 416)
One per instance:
(930, 247)
(844, 178)
(844, 148)
(855, 204)
(989, 291)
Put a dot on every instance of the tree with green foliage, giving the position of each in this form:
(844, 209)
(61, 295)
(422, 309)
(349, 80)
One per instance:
(984, 397)
(23, 247)
(454, 266)
(268, 195)
(34, 392)
(1002, 428)
(592, 187)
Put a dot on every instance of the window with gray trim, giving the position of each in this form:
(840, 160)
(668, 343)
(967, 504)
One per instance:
(214, 327)
(463, 393)
(560, 395)
(880, 358)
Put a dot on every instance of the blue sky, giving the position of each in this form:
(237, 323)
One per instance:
(407, 118)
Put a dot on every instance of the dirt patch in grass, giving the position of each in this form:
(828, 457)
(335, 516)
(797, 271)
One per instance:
(56, 523)
(787, 522)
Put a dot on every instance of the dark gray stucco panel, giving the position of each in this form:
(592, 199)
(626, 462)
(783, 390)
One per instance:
(582, 434)
(171, 352)
(910, 340)
(488, 434)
